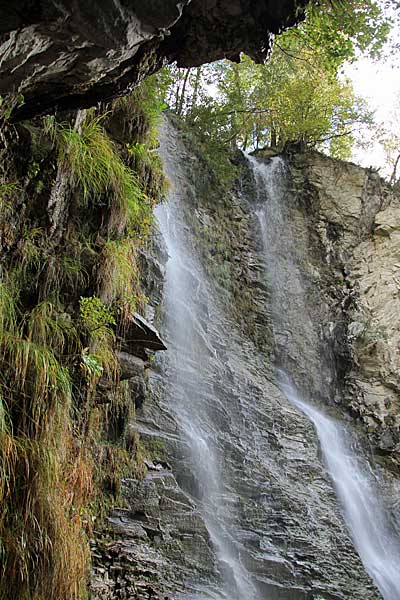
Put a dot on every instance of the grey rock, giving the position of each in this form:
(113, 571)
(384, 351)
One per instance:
(282, 506)
(139, 333)
(62, 55)
(131, 366)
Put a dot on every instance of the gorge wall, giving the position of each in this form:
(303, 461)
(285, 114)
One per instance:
(352, 216)
(251, 507)
(188, 475)
(278, 513)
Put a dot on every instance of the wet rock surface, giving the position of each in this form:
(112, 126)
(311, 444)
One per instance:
(151, 545)
(290, 534)
(353, 227)
(71, 55)
(138, 333)
(289, 531)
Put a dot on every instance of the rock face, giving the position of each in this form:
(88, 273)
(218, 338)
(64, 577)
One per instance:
(69, 55)
(280, 512)
(271, 499)
(351, 217)
(374, 333)
(155, 541)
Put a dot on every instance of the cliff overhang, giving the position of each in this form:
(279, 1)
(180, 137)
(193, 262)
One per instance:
(58, 54)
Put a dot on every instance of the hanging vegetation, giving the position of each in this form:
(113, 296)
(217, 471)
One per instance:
(58, 469)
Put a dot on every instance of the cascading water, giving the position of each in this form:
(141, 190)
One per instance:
(357, 489)
(359, 496)
(291, 298)
(187, 298)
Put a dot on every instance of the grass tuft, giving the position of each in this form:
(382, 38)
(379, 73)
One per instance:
(93, 161)
(43, 549)
(64, 440)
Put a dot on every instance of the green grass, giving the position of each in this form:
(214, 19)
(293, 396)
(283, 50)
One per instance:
(43, 551)
(7, 192)
(57, 465)
(119, 272)
(97, 320)
(92, 159)
(143, 108)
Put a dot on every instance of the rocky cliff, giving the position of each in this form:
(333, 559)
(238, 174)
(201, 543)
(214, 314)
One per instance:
(351, 215)
(78, 268)
(283, 519)
(75, 211)
(96, 456)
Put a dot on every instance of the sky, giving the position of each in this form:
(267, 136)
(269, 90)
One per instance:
(379, 83)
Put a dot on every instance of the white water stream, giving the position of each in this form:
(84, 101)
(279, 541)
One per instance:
(187, 299)
(189, 347)
(358, 493)
(357, 488)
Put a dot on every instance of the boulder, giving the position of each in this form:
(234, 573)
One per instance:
(137, 335)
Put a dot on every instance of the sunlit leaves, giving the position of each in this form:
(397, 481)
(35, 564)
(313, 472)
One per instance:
(299, 95)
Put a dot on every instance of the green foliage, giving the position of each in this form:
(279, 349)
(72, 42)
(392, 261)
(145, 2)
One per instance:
(138, 150)
(298, 95)
(7, 189)
(119, 268)
(95, 314)
(341, 30)
(284, 100)
(67, 272)
(8, 310)
(141, 112)
(37, 535)
(27, 361)
(48, 327)
(98, 320)
(90, 156)
(91, 367)
(119, 279)
(148, 166)
(54, 462)
(8, 192)
(143, 108)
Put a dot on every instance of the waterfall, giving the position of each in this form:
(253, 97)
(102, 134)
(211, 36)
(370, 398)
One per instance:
(291, 304)
(358, 494)
(357, 489)
(187, 305)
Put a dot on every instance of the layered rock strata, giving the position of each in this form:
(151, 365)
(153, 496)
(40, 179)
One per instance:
(290, 534)
(350, 217)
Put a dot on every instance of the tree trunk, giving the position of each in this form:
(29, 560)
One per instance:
(274, 140)
(183, 92)
(196, 87)
(393, 177)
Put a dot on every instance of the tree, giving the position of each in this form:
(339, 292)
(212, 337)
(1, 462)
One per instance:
(390, 144)
(339, 30)
(298, 95)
